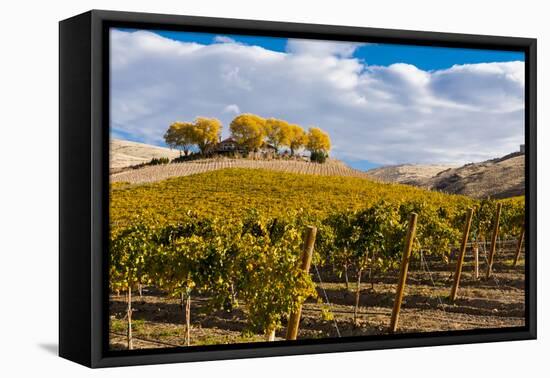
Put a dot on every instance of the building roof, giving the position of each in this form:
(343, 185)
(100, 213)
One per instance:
(228, 140)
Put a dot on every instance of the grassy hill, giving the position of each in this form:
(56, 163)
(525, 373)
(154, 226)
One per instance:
(232, 192)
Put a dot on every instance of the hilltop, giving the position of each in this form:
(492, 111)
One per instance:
(161, 172)
(126, 155)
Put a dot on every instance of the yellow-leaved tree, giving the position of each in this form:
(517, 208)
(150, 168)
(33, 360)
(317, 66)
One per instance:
(278, 132)
(297, 138)
(318, 143)
(248, 130)
(206, 132)
(318, 140)
(181, 136)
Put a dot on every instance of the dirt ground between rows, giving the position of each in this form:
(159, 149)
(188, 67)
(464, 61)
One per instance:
(482, 303)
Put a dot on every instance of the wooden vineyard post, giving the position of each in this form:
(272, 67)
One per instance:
(520, 242)
(188, 318)
(475, 249)
(129, 316)
(307, 253)
(462, 252)
(403, 272)
(358, 293)
(494, 240)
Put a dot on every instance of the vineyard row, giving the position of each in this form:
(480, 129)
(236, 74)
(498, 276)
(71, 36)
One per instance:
(264, 262)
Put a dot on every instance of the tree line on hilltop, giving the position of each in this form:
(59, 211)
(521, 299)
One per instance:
(251, 132)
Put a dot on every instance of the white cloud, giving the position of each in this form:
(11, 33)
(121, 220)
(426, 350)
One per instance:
(223, 39)
(322, 48)
(494, 85)
(232, 108)
(386, 115)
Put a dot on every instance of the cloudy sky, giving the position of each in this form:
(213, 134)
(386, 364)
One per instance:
(381, 104)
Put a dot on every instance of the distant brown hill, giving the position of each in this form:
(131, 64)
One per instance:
(125, 153)
(497, 178)
(407, 173)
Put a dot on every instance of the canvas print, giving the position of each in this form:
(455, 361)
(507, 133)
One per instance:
(268, 189)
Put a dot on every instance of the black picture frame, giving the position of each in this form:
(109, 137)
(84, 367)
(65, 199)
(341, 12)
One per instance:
(84, 189)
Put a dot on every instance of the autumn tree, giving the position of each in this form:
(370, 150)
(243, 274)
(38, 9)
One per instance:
(180, 135)
(203, 133)
(278, 132)
(317, 140)
(297, 138)
(248, 130)
(206, 132)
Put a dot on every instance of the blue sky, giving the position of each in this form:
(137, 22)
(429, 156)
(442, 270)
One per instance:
(381, 103)
(424, 57)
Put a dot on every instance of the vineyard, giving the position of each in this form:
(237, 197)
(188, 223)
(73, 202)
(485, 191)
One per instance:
(248, 255)
(157, 173)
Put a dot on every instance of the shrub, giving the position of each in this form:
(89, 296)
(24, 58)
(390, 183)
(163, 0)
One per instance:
(318, 157)
(192, 157)
(153, 161)
(159, 161)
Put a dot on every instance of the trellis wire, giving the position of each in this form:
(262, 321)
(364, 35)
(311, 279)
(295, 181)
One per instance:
(328, 302)
(423, 261)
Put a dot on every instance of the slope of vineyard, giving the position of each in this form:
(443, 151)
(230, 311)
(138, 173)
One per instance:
(162, 172)
(230, 192)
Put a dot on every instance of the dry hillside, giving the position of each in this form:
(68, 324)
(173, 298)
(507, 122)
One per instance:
(497, 178)
(125, 153)
(407, 173)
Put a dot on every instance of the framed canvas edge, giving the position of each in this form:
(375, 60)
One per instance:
(531, 183)
(75, 207)
(99, 139)
(295, 350)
